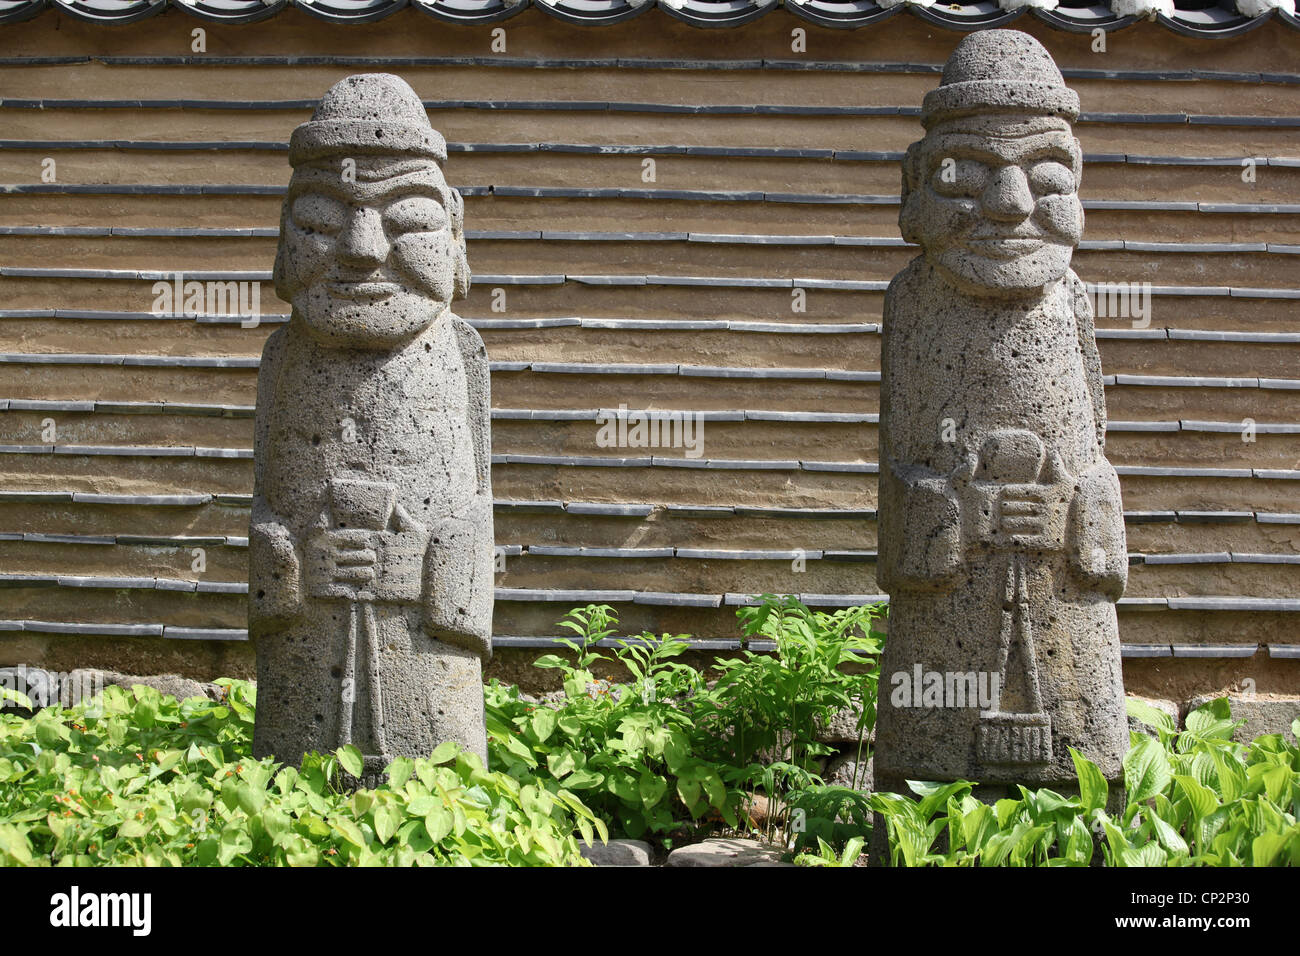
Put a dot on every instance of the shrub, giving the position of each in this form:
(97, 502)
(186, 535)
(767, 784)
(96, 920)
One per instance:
(133, 777)
(667, 748)
(1194, 798)
(627, 748)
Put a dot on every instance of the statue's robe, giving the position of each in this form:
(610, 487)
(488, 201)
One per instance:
(955, 371)
(399, 670)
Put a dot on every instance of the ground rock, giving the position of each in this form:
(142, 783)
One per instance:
(86, 682)
(727, 851)
(1169, 707)
(1263, 715)
(842, 728)
(617, 853)
(842, 769)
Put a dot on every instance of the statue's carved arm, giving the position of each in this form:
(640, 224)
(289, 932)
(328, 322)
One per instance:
(275, 566)
(920, 528)
(1098, 547)
(458, 577)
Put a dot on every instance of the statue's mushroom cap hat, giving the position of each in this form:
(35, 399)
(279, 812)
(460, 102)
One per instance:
(999, 71)
(366, 114)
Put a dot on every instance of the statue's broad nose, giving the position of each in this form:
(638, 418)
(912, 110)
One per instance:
(1008, 197)
(362, 241)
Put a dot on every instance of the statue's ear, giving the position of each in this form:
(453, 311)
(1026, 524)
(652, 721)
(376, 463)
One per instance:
(907, 214)
(456, 210)
(278, 278)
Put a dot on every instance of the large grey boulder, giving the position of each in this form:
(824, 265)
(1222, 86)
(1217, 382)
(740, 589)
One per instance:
(1262, 714)
(84, 683)
(1001, 530)
(616, 853)
(370, 549)
(38, 685)
(846, 770)
(727, 851)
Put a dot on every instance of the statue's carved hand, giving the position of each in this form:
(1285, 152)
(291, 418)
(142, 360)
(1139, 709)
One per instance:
(1017, 516)
(342, 563)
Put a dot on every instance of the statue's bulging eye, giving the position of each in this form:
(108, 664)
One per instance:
(1050, 178)
(959, 177)
(318, 213)
(415, 214)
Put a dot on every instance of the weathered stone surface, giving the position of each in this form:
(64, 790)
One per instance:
(617, 853)
(842, 728)
(727, 851)
(40, 686)
(1263, 714)
(842, 770)
(85, 682)
(1001, 531)
(1166, 706)
(370, 549)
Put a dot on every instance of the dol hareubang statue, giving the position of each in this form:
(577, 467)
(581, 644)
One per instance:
(371, 576)
(1001, 532)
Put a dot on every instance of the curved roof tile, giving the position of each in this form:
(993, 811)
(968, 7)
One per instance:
(110, 11)
(232, 11)
(1199, 18)
(594, 12)
(472, 11)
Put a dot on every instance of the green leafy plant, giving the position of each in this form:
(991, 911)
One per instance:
(626, 747)
(760, 721)
(1193, 798)
(826, 855)
(134, 777)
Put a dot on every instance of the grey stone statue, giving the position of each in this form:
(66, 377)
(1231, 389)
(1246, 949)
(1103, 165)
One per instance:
(371, 576)
(1001, 531)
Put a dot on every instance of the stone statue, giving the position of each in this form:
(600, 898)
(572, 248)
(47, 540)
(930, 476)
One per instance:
(371, 549)
(1001, 531)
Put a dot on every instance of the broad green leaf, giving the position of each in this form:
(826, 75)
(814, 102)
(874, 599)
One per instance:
(543, 723)
(234, 841)
(1169, 837)
(444, 752)
(399, 771)
(1152, 717)
(562, 762)
(1208, 715)
(387, 819)
(1265, 848)
(651, 789)
(439, 823)
(350, 760)
(1146, 770)
(348, 830)
(1093, 790)
(1149, 854)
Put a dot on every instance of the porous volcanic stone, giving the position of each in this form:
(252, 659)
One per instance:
(1167, 706)
(1001, 530)
(86, 682)
(38, 685)
(727, 851)
(1263, 715)
(370, 549)
(842, 728)
(842, 769)
(616, 853)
